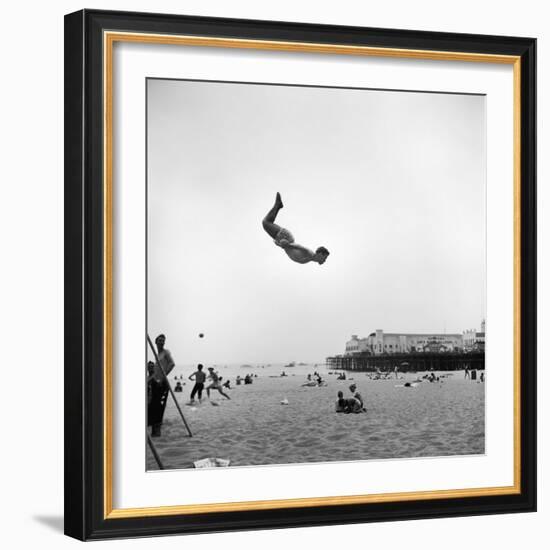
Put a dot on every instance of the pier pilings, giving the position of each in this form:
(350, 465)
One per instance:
(407, 362)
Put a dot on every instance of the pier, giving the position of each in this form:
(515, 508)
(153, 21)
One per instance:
(407, 362)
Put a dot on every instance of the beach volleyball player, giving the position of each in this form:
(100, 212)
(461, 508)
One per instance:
(284, 238)
(215, 384)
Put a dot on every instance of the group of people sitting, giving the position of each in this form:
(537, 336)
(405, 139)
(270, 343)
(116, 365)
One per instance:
(383, 374)
(432, 377)
(353, 404)
(246, 380)
(314, 380)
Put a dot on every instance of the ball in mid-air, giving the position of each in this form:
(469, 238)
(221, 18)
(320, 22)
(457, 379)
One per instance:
(201, 335)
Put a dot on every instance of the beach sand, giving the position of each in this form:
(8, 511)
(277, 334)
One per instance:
(253, 428)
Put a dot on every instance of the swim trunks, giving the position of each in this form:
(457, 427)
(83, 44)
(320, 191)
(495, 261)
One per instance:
(284, 234)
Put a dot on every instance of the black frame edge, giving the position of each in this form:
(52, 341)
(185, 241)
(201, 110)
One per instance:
(529, 276)
(74, 452)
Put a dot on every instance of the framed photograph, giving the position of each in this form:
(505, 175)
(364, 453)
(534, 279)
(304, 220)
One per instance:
(300, 274)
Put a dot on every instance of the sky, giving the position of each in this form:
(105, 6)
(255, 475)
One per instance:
(391, 182)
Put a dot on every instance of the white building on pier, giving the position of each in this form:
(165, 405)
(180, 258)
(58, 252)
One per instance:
(379, 343)
(474, 340)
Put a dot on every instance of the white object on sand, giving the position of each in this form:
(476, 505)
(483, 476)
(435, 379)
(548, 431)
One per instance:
(284, 401)
(211, 462)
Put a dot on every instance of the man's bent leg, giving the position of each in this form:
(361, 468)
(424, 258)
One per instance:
(224, 394)
(268, 222)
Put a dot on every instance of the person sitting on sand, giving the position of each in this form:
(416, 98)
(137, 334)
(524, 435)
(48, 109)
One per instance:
(215, 385)
(358, 396)
(349, 405)
(179, 387)
(226, 384)
(284, 238)
(340, 403)
(199, 376)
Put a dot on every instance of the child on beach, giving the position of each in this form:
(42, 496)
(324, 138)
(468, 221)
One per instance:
(215, 385)
(284, 238)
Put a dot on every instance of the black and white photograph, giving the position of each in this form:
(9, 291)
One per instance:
(316, 274)
(300, 274)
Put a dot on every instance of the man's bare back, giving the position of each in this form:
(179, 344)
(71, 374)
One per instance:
(284, 238)
(297, 252)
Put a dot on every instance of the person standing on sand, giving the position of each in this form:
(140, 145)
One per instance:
(215, 385)
(284, 238)
(159, 386)
(200, 377)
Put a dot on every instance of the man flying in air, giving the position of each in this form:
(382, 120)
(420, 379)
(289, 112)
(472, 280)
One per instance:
(284, 238)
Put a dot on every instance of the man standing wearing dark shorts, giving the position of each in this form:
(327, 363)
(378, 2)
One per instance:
(158, 386)
(199, 378)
